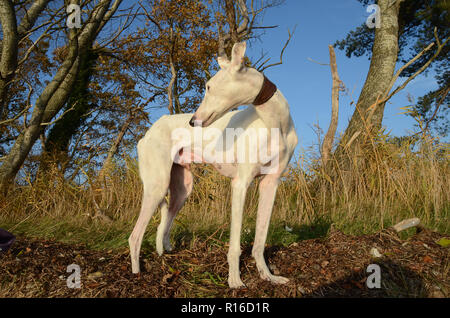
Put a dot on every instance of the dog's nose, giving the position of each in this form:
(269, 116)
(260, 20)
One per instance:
(192, 121)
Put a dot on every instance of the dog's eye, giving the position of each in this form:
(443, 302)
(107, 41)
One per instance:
(207, 87)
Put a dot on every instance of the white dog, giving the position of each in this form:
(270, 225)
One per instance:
(164, 163)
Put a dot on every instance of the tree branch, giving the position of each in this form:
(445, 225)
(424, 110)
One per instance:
(419, 71)
(329, 137)
(262, 68)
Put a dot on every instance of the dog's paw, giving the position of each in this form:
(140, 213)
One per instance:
(275, 279)
(167, 246)
(235, 283)
(159, 248)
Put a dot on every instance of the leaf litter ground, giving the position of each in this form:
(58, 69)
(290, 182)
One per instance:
(335, 266)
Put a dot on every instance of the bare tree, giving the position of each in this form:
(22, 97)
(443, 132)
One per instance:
(56, 92)
(242, 23)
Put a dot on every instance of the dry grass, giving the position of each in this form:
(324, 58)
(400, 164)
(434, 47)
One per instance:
(382, 186)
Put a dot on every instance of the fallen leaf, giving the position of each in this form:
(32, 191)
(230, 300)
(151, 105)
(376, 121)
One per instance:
(375, 253)
(444, 242)
(347, 286)
(301, 290)
(166, 278)
(357, 284)
(427, 259)
(95, 275)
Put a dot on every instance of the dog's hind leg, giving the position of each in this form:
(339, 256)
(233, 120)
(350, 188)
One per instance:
(267, 191)
(155, 175)
(180, 188)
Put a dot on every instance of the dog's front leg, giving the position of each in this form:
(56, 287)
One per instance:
(239, 189)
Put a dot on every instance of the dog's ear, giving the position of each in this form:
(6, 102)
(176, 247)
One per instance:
(237, 56)
(223, 61)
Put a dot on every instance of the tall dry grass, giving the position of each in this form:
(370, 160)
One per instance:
(381, 186)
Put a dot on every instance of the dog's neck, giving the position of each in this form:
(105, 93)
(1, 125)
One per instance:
(274, 111)
(265, 93)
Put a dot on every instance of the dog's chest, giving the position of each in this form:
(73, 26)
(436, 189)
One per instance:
(187, 156)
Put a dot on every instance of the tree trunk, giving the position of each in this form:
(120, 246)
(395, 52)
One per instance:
(329, 137)
(231, 17)
(368, 115)
(56, 145)
(56, 92)
(8, 61)
(12, 34)
(170, 87)
(113, 149)
(101, 182)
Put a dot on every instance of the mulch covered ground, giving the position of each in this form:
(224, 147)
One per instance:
(332, 267)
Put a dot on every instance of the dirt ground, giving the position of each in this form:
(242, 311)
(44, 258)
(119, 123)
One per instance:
(335, 266)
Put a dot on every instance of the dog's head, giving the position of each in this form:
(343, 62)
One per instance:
(232, 86)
